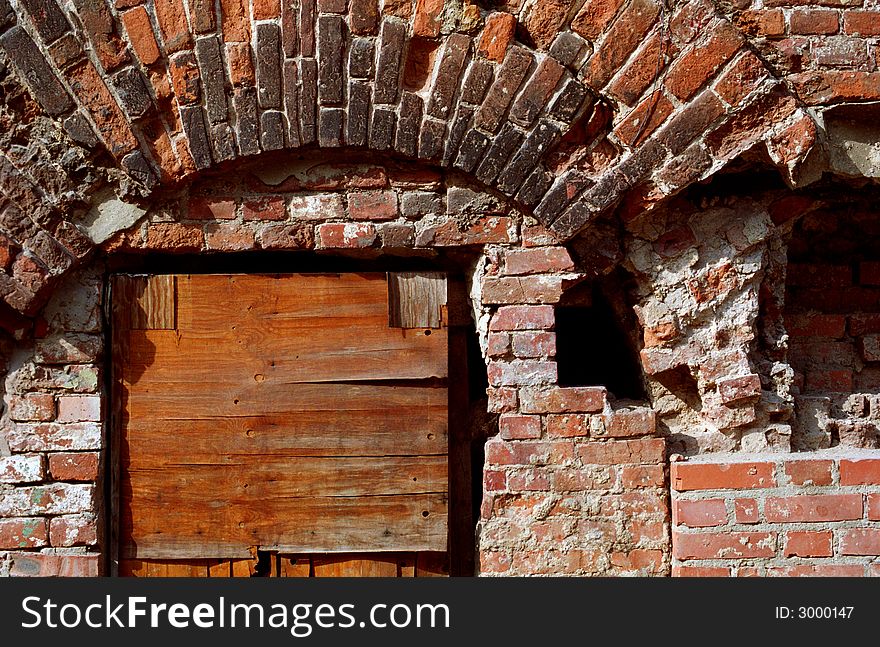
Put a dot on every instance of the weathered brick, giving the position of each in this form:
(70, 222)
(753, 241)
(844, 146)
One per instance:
(363, 17)
(331, 50)
(625, 34)
(860, 472)
(508, 290)
(382, 128)
(477, 81)
(510, 76)
(746, 510)
(576, 399)
(568, 425)
(268, 53)
(758, 22)
(594, 17)
(134, 96)
(193, 119)
(704, 513)
(736, 389)
(32, 407)
(642, 476)
(345, 235)
(185, 76)
(694, 120)
(27, 532)
(79, 408)
(733, 545)
(808, 544)
(89, 86)
(568, 48)
(721, 476)
(241, 65)
(48, 18)
(267, 208)
(297, 236)
(539, 141)
(73, 530)
(533, 344)
(483, 231)
(330, 127)
(308, 100)
(52, 565)
(700, 571)
(613, 452)
(521, 372)
(373, 205)
(392, 38)
(235, 20)
(32, 67)
(361, 56)
(537, 260)
(518, 427)
(626, 423)
(21, 468)
(812, 508)
(427, 18)
(98, 22)
(499, 153)
(228, 237)
(536, 92)
(446, 81)
(810, 21)
(201, 16)
(247, 123)
(68, 349)
(409, 123)
(523, 318)
(57, 498)
(74, 466)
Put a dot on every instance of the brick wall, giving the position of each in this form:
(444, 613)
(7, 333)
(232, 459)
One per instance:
(791, 515)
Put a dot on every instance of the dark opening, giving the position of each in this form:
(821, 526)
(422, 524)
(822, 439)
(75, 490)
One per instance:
(595, 342)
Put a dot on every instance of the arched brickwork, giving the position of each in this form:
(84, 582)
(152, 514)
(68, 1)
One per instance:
(614, 101)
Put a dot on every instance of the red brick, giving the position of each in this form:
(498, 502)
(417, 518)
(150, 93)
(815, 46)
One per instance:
(228, 237)
(537, 260)
(482, 231)
(630, 422)
(50, 565)
(173, 25)
(523, 318)
(638, 502)
(816, 325)
(21, 468)
(575, 480)
(140, 33)
(373, 205)
(74, 466)
(570, 425)
(538, 288)
(860, 472)
(809, 472)
(364, 17)
(812, 508)
(721, 476)
(860, 541)
(528, 481)
(808, 544)
(594, 17)
(30, 532)
(494, 480)
(354, 235)
(73, 530)
(639, 476)
(611, 452)
(723, 545)
(736, 389)
(514, 427)
(700, 514)
(236, 20)
(860, 324)
(813, 21)
(746, 510)
(89, 87)
(869, 271)
(497, 35)
(502, 399)
(625, 34)
(498, 344)
(863, 23)
(641, 71)
(38, 407)
(631, 130)
(693, 69)
(79, 408)
(241, 65)
(534, 344)
(426, 21)
(572, 399)
(874, 507)
(174, 236)
(638, 560)
(265, 209)
(212, 209)
(690, 20)
(762, 23)
(700, 571)
(266, 9)
(500, 452)
(817, 570)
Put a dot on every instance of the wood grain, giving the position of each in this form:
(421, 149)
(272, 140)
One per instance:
(416, 299)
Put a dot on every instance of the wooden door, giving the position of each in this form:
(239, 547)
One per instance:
(282, 425)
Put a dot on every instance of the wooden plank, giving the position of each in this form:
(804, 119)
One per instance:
(355, 566)
(320, 354)
(219, 568)
(163, 568)
(294, 566)
(175, 525)
(264, 478)
(243, 567)
(432, 564)
(415, 299)
(406, 565)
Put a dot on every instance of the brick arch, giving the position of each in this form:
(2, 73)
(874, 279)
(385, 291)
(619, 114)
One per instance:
(172, 88)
